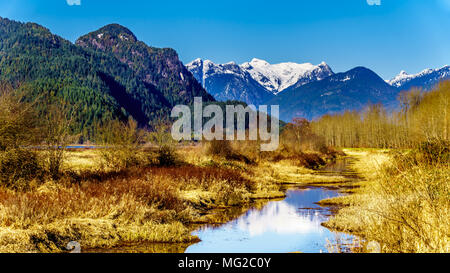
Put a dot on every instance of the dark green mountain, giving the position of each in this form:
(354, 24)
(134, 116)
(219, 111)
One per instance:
(160, 67)
(97, 83)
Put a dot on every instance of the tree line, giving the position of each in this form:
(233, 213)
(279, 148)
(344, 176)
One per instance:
(422, 117)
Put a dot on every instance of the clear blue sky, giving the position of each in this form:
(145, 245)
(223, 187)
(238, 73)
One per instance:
(399, 34)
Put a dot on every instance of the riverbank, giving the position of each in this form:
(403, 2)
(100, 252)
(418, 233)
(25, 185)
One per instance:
(402, 204)
(107, 209)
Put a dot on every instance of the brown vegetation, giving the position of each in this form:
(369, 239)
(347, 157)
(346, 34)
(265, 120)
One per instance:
(424, 116)
(116, 205)
(404, 206)
(138, 186)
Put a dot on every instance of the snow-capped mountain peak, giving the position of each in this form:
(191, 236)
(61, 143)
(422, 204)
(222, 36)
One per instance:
(259, 62)
(273, 77)
(401, 77)
(278, 77)
(202, 69)
(228, 81)
(428, 75)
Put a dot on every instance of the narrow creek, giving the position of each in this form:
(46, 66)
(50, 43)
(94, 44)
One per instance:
(293, 224)
(289, 225)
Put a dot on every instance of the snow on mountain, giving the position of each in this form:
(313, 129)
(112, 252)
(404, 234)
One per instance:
(424, 79)
(228, 82)
(351, 90)
(273, 77)
(203, 69)
(278, 77)
(404, 77)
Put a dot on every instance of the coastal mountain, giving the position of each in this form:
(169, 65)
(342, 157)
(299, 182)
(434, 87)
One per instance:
(351, 90)
(254, 82)
(278, 77)
(229, 82)
(112, 76)
(426, 79)
(301, 90)
(32, 58)
(159, 67)
(306, 90)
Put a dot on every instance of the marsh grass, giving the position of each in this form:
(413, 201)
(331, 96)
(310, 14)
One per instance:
(93, 211)
(404, 206)
(82, 159)
(107, 208)
(125, 192)
(139, 186)
(20, 169)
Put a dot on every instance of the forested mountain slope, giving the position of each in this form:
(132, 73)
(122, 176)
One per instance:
(97, 83)
(160, 67)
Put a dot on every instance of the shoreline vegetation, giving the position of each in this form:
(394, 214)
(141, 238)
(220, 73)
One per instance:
(151, 204)
(402, 203)
(142, 187)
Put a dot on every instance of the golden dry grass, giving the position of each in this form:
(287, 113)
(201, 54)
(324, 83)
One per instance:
(95, 213)
(102, 208)
(403, 206)
(146, 204)
(82, 159)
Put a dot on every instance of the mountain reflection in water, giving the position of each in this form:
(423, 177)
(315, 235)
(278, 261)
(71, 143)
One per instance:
(291, 225)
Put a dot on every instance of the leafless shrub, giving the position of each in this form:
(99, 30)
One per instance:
(121, 143)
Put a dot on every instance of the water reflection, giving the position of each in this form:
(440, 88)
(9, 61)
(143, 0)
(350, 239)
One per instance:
(293, 224)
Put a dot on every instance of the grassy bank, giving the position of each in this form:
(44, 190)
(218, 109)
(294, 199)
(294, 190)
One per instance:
(139, 186)
(102, 208)
(403, 204)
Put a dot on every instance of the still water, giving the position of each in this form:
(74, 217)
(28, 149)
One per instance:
(290, 225)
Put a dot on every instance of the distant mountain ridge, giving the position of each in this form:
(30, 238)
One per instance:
(426, 79)
(278, 77)
(350, 90)
(306, 90)
(108, 74)
(256, 81)
(228, 82)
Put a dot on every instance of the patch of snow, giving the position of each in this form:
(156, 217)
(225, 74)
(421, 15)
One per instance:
(208, 69)
(123, 37)
(346, 79)
(327, 94)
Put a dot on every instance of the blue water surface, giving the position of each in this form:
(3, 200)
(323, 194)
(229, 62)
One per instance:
(291, 225)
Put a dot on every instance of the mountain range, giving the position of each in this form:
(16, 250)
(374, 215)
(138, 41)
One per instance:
(110, 74)
(307, 90)
(254, 82)
(106, 74)
(350, 90)
(426, 79)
